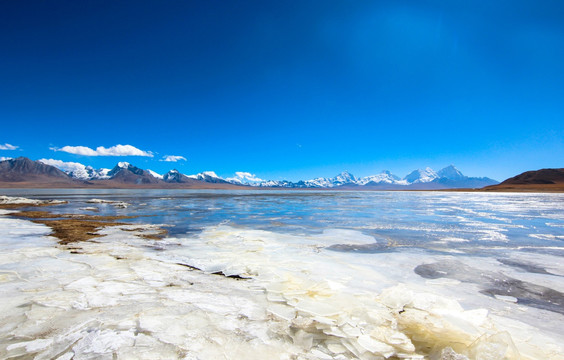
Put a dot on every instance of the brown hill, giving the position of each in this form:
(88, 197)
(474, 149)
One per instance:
(551, 180)
(24, 171)
(543, 176)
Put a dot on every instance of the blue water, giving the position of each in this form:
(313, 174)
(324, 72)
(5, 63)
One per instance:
(474, 223)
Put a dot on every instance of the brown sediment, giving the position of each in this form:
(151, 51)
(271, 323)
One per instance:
(21, 205)
(70, 228)
(157, 234)
(75, 230)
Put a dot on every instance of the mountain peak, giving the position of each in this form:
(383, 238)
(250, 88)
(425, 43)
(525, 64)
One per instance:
(210, 173)
(122, 166)
(384, 177)
(174, 176)
(421, 176)
(451, 172)
(344, 178)
(212, 177)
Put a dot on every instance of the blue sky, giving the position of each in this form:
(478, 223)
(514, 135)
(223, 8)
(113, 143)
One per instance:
(286, 89)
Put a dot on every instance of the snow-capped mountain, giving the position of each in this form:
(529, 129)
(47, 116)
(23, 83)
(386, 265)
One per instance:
(280, 184)
(341, 179)
(174, 176)
(126, 173)
(124, 166)
(208, 176)
(89, 173)
(451, 173)
(385, 177)
(246, 178)
(421, 176)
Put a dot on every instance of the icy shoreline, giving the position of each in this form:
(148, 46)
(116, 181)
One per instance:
(112, 300)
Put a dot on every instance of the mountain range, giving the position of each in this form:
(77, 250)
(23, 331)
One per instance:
(22, 171)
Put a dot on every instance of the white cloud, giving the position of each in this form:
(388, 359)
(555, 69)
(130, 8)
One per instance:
(64, 166)
(117, 150)
(173, 158)
(245, 177)
(7, 146)
(3, 158)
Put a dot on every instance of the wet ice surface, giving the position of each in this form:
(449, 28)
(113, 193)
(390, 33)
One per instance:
(331, 275)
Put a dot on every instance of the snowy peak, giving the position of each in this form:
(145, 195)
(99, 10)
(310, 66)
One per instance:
(385, 177)
(421, 176)
(121, 166)
(451, 173)
(172, 176)
(89, 173)
(246, 178)
(344, 178)
(208, 176)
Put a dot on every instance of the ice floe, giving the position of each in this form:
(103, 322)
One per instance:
(12, 200)
(118, 204)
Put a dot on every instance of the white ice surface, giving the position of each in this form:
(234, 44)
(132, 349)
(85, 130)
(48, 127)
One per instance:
(344, 296)
(117, 298)
(113, 301)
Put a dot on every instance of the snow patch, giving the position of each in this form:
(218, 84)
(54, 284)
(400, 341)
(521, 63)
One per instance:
(155, 174)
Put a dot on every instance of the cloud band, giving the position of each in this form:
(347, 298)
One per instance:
(117, 150)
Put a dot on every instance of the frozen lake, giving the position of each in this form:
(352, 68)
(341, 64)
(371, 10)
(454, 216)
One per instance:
(326, 275)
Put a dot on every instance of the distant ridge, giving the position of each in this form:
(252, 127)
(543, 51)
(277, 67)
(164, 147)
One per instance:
(23, 172)
(537, 180)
